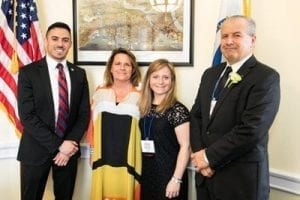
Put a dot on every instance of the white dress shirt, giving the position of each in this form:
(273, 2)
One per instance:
(53, 74)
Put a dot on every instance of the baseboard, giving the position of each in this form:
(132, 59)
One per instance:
(8, 150)
(85, 150)
(279, 179)
(285, 181)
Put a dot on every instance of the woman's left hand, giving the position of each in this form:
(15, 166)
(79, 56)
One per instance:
(172, 189)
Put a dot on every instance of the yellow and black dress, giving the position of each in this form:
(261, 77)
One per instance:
(116, 157)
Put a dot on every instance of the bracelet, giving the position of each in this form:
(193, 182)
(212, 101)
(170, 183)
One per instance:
(176, 180)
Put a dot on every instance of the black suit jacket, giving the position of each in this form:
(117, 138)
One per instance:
(39, 142)
(236, 133)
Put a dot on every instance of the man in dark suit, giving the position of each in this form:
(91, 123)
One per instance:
(42, 146)
(229, 126)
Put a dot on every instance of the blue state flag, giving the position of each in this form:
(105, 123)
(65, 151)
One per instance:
(228, 8)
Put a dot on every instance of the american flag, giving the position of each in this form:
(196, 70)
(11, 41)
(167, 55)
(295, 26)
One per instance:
(28, 32)
(19, 45)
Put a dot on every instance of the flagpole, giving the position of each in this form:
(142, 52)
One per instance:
(247, 8)
(14, 66)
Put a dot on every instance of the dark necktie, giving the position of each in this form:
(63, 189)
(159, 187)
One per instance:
(221, 83)
(63, 105)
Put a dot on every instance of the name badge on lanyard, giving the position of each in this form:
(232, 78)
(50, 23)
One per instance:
(148, 146)
(216, 92)
(148, 143)
(212, 105)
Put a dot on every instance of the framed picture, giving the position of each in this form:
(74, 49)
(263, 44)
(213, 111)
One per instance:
(145, 27)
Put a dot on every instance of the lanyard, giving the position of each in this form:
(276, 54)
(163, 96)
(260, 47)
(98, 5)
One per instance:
(147, 132)
(217, 83)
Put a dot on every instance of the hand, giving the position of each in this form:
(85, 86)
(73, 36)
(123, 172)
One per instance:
(68, 147)
(172, 189)
(207, 172)
(198, 160)
(61, 159)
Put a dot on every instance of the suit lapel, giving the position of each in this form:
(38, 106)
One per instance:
(45, 78)
(210, 88)
(45, 81)
(243, 71)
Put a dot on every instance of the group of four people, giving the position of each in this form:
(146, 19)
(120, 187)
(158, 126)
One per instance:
(141, 139)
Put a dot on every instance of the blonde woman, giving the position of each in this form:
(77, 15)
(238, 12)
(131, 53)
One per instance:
(114, 134)
(164, 126)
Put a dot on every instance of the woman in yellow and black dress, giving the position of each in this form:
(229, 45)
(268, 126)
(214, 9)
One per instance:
(114, 134)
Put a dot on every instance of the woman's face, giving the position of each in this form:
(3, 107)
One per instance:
(121, 68)
(161, 82)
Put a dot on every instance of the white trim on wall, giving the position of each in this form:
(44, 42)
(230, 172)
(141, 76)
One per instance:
(285, 181)
(8, 150)
(279, 179)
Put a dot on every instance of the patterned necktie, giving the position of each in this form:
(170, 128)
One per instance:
(222, 82)
(63, 105)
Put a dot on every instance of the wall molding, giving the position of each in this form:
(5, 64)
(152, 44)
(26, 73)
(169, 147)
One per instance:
(9, 150)
(279, 179)
(285, 181)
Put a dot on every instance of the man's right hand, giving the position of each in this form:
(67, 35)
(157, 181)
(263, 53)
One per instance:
(68, 147)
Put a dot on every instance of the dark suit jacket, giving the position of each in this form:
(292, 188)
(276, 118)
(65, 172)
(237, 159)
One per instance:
(39, 142)
(236, 134)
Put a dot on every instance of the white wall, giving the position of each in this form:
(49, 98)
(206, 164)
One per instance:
(278, 30)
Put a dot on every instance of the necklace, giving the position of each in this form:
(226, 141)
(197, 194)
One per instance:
(121, 93)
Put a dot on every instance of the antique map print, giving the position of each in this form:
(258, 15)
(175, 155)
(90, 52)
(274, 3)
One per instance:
(107, 24)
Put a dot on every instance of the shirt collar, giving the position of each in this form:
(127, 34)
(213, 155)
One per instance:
(53, 63)
(236, 66)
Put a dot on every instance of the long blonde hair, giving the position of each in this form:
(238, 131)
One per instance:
(147, 95)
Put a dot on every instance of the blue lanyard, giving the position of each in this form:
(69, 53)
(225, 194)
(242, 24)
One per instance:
(147, 132)
(217, 83)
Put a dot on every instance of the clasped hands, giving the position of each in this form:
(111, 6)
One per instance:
(67, 149)
(201, 165)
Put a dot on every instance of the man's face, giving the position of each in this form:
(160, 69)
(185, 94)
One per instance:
(58, 42)
(236, 43)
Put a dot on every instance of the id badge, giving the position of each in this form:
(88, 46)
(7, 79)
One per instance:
(212, 106)
(148, 146)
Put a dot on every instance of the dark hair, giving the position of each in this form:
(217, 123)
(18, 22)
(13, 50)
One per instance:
(136, 74)
(58, 25)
